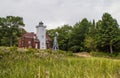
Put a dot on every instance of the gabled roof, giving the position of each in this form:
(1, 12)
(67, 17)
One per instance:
(33, 35)
(29, 35)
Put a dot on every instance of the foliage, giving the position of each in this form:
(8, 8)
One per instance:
(75, 48)
(10, 28)
(90, 38)
(107, 32)
(103, 35)
(78, 35)
(63, 37)
(90, 44)
(99, 54)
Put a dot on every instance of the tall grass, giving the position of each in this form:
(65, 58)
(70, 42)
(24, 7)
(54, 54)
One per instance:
(32, 63)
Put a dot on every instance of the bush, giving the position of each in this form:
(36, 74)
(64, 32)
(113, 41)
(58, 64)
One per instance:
(118, 56)
(99, 54)
(1, 54)
(30, 50)
(75, 48)
(49, 51)
(61, 52)
(69, 53)
(13, 49)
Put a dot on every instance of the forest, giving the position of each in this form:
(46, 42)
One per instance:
(85, 36)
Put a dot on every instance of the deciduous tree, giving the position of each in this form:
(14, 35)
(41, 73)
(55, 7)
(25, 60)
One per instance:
(107, 32)
(10, 30)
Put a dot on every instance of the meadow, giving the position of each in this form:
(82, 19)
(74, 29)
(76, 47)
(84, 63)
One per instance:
(33, 63)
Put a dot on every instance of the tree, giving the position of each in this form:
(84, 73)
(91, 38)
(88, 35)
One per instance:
(13, 24)
(78, 35)
(3, 31)
(90, 38)
(63, 37)
(11, 30)
(107, 32)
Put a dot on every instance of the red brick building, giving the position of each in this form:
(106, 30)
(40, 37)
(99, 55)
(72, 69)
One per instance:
(30, 40)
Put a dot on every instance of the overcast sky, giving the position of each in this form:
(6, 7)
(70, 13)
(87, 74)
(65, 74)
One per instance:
(55, 13)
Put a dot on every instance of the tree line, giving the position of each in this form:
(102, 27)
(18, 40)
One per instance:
(11, 28)
(103, 35)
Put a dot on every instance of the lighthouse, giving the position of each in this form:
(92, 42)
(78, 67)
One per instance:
(41, 35)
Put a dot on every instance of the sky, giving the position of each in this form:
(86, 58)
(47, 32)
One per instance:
(55, 13)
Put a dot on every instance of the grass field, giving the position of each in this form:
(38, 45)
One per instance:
(18, 63)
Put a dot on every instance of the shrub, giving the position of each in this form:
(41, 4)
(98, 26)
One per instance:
(118, 56)
(30, 50)
(1, 54)
(75, 48)
(13, 49)
(99, 54)
(49, 51)
(69, 53)
(61, 52)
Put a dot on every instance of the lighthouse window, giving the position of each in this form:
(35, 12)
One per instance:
(42, 43)
(42, 36)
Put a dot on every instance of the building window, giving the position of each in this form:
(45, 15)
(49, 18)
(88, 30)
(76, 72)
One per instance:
(34, 37)
(22, 43)
(29, 42)
(36, 45)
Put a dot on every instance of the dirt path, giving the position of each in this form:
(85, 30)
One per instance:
(83, 54)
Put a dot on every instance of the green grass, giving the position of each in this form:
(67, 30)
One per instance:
(40, 64)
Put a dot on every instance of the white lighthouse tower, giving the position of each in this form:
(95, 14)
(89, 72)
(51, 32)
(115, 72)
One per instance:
(41, 34)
